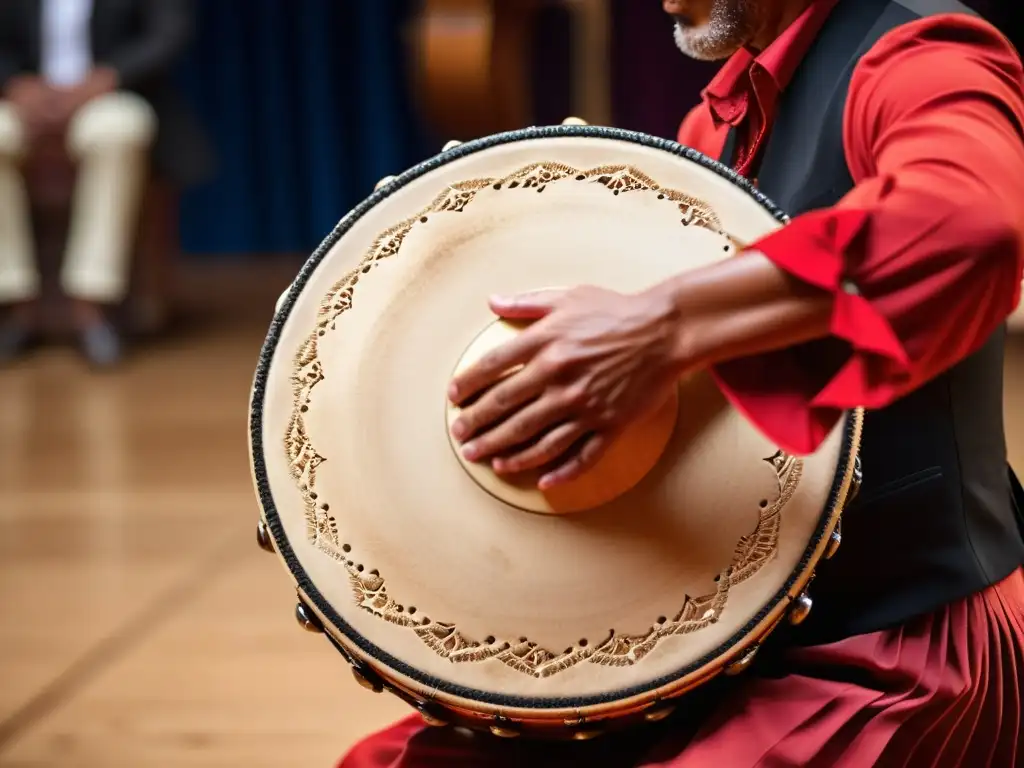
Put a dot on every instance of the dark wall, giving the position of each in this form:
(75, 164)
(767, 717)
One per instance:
(654, 84)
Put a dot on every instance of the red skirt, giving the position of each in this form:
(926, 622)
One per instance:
(944, 690)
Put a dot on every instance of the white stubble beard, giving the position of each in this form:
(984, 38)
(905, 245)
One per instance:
(724, 33)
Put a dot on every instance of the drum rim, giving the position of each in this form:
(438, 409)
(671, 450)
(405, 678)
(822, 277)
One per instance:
(308, 588)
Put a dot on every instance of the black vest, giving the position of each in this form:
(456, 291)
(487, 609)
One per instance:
(939, 512)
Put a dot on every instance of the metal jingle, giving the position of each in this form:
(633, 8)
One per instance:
(574, 121)
(341, 649)
(280, 300)
(502, 729)
(432, 720)
(577, 731)
(383, 182)
(743, 664)
(307, 619)
(451, 145)
(504, 733)
(367, 679)
(856, 481)
(659, 714)
(801, 609)
(835, 540)
(263, 537)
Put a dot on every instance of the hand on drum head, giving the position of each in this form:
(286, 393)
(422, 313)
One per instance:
(592, 362)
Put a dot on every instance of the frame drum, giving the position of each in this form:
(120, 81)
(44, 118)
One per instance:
(481, 601)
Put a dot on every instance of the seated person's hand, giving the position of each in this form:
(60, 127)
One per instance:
(36, 103)
(99, 82)
(46, 110)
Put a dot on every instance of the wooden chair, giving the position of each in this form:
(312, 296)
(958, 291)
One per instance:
(50, 177)
(475, 60)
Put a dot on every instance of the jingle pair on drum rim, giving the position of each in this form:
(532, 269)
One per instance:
(480, 600)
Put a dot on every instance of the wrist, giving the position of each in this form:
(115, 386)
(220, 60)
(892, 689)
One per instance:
(682, 346)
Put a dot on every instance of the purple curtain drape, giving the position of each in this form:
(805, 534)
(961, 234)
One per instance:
(654, 85)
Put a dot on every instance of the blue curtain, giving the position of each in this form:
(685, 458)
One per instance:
(308, 104)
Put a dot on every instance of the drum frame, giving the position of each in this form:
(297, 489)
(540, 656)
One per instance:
(441, 703)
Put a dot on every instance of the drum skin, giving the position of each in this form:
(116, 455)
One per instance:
(483, 602)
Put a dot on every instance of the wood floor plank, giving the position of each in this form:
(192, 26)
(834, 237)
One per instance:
(112, 487)
(230, 680)
(114, 490)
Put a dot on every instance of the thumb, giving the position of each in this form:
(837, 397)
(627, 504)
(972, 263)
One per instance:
(526, 306)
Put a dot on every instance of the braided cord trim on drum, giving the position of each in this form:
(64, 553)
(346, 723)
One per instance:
(752, 552)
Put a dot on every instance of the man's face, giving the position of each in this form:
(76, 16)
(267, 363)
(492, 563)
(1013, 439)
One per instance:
(715, 29)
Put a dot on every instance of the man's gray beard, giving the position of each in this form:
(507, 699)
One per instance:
(725, 33)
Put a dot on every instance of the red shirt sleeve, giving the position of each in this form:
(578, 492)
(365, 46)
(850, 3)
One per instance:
(924, 256)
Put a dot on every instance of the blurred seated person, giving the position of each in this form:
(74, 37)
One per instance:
(91, 78)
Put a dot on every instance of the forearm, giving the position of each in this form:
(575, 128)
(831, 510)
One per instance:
(822, 322)
(742, 306)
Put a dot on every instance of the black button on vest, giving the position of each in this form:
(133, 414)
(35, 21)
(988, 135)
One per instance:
(939, 513)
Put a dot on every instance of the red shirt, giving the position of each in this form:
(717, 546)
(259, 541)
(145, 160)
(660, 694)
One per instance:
(924, 256)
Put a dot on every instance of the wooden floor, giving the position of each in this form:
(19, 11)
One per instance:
(139, 623)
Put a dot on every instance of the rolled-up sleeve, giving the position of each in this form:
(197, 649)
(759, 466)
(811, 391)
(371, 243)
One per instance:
(924, 256)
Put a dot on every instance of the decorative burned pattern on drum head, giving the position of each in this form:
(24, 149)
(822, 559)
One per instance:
(369, 589)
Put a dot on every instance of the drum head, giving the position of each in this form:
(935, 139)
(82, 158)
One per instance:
(491, 595)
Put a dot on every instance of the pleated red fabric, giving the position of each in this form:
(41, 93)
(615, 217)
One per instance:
(943, 691)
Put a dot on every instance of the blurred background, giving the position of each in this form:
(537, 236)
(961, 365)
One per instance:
(139, 623)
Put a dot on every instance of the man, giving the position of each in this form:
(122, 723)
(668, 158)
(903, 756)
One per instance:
(92, 77)
(893, 130)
